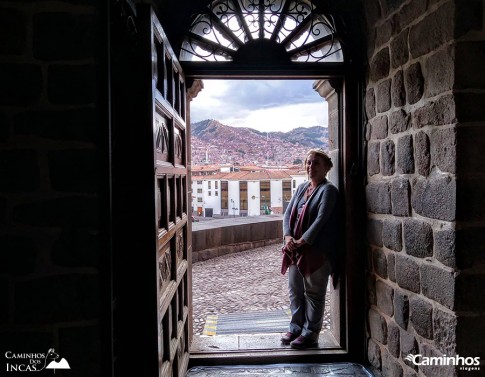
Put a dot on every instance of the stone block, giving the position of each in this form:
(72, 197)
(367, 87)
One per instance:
(374, 232)
(407, 273)
(379, 127)
(389, 6)
(13, 31)
(393, 344)
(405, 155)
(409, 345)
(373, 152)
(414, 83)
(374, 354)
(379, 262)
(76, 124)
(427, 350)
(399, 121)
(422, 153)
(383, 96)
(60, 298)
(385, 297)
(391, 266)
(438, 63)
(18, 255)
(398, 91)
(383, 33)
(82, 211)
(438, 284)
(380, 65)
(443, 149)
(392, 234)
(444, 242)
(471, 198)
(435, 198)
(401, 308)
(441, 112)
(399, 49)
(370, 103)
(418, 238)
(400, 197)
(469, 292)
(74, 32)
(432, 32)
(421, 316)
(471, 243)
(378, 197)
(409, 13)
(444, 329)
(72, 84)
(469, 56)
(371, 289)
(20, 171)
(74, 170)
(377, 326)
(21, 84)
(390, 366)
(387, 157)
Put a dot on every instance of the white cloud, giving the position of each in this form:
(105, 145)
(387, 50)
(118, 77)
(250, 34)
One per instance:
(266, 105)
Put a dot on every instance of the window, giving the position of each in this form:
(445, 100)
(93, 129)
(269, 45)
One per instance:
(199, 191)
(265, 194)
(199, 182)
(243, 195)
(216, 184)
(224, 195)
(199, 200)
(286, 191)
(209, 184)
(210, 193)
(216, 193)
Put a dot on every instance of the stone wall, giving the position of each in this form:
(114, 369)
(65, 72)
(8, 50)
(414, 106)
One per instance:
(50, 165)
(425, 184)
(214, 242)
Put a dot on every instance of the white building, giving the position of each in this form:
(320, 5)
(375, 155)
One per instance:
(244, 193)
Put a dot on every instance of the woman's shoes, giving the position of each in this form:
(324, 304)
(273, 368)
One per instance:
(288, 337)
(301, 343)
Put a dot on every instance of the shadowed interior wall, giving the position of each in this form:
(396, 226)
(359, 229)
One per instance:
(425, 209)
(53, 169)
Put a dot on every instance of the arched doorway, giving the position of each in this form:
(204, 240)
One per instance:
(283, 39)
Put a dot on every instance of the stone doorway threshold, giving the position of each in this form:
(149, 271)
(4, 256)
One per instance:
(204, 345)
(295, 370)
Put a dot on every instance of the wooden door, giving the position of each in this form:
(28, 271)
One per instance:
(151, 244)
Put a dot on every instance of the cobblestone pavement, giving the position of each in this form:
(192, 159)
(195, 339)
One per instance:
(241, 282)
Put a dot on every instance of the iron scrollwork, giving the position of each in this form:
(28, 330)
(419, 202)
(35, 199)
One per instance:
(226, 25)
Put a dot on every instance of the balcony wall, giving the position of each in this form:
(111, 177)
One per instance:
(220, 237)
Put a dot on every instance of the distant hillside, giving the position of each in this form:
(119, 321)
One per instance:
(220, 143)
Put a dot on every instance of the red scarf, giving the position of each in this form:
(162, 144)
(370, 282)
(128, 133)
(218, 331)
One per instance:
(305, 258)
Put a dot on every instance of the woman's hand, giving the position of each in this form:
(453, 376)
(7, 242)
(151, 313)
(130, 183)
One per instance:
(293, 244)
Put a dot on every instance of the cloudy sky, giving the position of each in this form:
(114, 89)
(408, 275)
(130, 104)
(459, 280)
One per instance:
(266, 105)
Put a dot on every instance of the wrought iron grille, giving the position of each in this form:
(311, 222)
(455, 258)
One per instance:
(292, 26)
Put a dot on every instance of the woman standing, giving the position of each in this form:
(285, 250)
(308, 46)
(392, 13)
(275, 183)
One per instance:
(310, 229)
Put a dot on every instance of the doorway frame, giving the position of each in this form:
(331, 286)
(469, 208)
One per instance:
(348, 83)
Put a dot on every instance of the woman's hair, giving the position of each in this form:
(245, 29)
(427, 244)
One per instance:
(320, 152)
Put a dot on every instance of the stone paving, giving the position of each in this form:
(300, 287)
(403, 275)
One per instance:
(247, 281)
